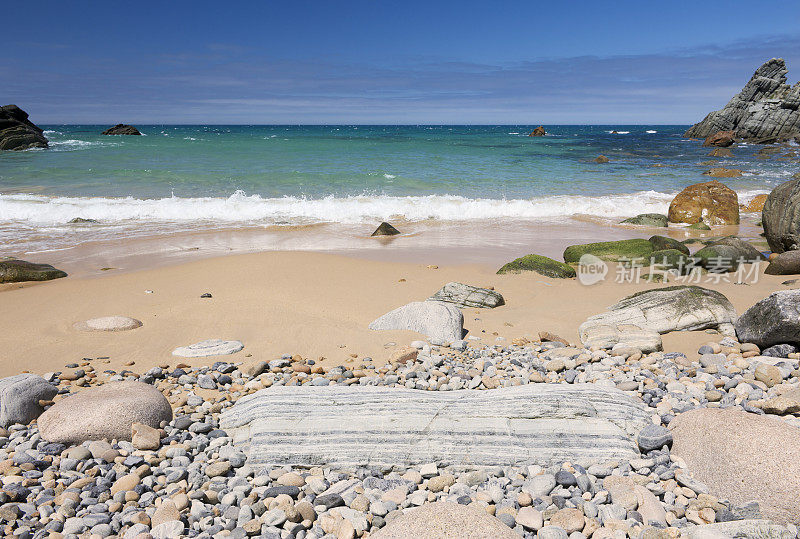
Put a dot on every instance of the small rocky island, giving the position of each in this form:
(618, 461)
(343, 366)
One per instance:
(17, 132)
(765, 111)
(121, 129)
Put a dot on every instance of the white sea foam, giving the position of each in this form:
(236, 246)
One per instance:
(37, 210)
(389, 176)
(651, 131)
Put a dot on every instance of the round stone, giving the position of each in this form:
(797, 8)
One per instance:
(566, 479)
(654, 437)
(109, 323)
(211, 347)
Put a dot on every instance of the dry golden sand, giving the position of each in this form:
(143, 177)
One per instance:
(312, 304)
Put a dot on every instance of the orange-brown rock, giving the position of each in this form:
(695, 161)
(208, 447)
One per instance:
(723, 139)
(601, 159)
(720, 152)
(712, 203)
(722, 172)
(755, 205)
(538, 132)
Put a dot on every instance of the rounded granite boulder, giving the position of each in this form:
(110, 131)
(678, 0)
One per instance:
(106, 411)
(109, 323)
(210, 347)
(442, 520)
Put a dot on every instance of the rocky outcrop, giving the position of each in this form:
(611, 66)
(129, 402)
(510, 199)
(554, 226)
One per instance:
(385, 229)
(121, 129)
(766, 110)
(441, 322)
(538, 132)
(17, 132)
(106, 411)
(674, 308)
(20, 398)
(647, 219)
(722, 172)
(601, 159)
(610, 250)
(721, 139)
(541, 265)
(712, 203)
(17, 271)
(773, 320)
(781, 217)
(755, 205)
(742, 457)
(727, 254)
(464, 295)
(376, 426)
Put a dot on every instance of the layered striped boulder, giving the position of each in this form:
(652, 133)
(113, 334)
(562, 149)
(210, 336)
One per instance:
(356, 426)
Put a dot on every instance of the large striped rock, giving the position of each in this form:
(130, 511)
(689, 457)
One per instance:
(349, 426)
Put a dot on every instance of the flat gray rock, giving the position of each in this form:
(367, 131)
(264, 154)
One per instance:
(20, 396)
(674, 308)
(106, 411)
(441, 322)
(464, 295)
(773, 320)
(211, 347)
(357, 426)
(109, 323)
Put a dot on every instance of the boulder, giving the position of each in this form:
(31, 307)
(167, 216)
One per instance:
(541, 265)
(674, 308)
(621, 336)
(440, 322)
(720, 152)
(755, 205)
(773, 320)
(210, 347)
(385, 229)
(699, 226)
(16, 271)
(464, 295)
(712, 203)
(610, 250)
(662, 243)
(787, 263)
(742, 457)
(17, 132)
(647, 219)
(722, 172)
(20, 396)
(106, 411)
(109, 323)
(601, 159)
(781, 217)
(375, 426)
(671, 260)
(445, 520)
(538, 132)
(726, 254)
(766, 110)
(722, 139)
(121, 129)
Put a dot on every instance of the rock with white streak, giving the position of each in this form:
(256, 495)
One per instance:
(364, 426)
(464, 295)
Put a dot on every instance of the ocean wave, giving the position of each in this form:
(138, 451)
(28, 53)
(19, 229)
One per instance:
(40, 210)
(651, 131)
(74, 144)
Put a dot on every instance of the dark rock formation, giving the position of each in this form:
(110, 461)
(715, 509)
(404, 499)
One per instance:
(121, 129)
(781, 217)
(614, 251)
(773, 320)
(14, 271)
(541, 265)
(647, 219)
(601, 159)
(661, 243)
(726, 254)
(17, 132)
(723, 139)
(766, 110)
(385, 229)
(787, 263)
(538, 132)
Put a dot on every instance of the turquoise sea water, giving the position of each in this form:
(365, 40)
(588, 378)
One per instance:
(189, 177)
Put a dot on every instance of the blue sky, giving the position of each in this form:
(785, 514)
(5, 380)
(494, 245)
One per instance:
(387, 62)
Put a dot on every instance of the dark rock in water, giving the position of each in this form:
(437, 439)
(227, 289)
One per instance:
(773, 320)
(538, 132)
(787, 263)
(464, 295)
(15, 271)
(699, 226)
(766, 110)
(726, 255)
(121, 129)
(17, 132)
(610, 250)
(81, 220)
(385, 229)
(722, 139)
(722, 172)
(779, 350)
(661, 243)
(601, 159)
(712, 203)
(647, 219)
(720, 152)
(781, 217)
(541, 265)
